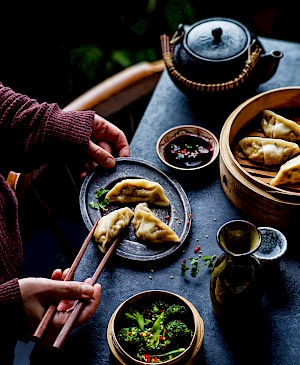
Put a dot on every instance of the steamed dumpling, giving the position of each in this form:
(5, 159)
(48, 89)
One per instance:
(110, 226)
(268, 151)
(276, 126)
(289, 173)
(149, 228)
(137, 191)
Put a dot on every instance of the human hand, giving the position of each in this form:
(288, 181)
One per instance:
(39, 293)
(105, 138)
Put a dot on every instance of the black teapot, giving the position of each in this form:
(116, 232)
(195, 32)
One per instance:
(217, 56)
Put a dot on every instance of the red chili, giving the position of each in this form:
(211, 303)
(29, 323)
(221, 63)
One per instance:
(167, 217)
(184, 261)
(147, 357)
(190, 215)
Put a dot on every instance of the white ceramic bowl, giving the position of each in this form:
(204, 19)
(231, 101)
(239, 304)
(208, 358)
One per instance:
(273, 244)
(178, 148)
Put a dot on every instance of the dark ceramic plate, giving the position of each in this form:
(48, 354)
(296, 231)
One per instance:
(179, 211)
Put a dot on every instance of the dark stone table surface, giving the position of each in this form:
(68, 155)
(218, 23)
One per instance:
(272, 336)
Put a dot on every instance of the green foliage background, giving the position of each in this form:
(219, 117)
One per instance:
(55, 52)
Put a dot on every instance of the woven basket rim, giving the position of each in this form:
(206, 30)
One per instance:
(211, 87)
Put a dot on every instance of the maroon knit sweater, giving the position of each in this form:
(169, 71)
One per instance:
(31, 134)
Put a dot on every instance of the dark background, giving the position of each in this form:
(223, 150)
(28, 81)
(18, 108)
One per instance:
(54, 54)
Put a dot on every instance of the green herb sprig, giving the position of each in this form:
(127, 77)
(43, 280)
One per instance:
(102, 202)
(195, 265)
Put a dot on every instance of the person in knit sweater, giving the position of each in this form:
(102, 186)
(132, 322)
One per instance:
(33, 134)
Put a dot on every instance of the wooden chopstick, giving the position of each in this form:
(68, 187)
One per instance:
(80, 304)
(48, 316)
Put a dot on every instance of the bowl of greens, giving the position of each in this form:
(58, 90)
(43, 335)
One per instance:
(155, 326)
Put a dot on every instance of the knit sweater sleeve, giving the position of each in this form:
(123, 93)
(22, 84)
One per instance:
(33, 133)
(12, 316)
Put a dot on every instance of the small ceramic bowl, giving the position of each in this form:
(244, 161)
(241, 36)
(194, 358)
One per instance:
(187, 148)
(273, 245)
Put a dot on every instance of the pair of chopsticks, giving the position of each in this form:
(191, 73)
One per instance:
(78, 305)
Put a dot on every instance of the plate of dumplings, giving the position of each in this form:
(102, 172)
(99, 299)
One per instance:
(141, 203)
(268, 148)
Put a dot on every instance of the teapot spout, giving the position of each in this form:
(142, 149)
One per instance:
(268, 65)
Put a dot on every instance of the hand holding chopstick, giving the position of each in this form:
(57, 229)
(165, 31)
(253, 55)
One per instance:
(80, 304)
(48, 316)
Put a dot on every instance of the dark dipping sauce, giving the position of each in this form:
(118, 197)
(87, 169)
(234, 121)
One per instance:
(188, 151)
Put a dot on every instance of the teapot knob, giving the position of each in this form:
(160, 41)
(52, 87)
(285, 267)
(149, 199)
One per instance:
(217, 33)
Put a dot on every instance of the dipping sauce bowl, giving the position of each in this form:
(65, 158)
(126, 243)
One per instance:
(187, 148)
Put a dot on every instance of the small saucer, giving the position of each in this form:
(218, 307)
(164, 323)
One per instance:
(273, 245)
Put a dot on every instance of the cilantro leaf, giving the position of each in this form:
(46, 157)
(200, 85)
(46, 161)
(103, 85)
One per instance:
(102, 202)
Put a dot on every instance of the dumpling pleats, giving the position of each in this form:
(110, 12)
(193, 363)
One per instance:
(276, 126)
(150, 228)
(289, 173)
(110, 226)
(268, 151)
(137, 191)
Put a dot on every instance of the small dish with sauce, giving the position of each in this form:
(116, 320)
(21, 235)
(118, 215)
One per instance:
(187, 148)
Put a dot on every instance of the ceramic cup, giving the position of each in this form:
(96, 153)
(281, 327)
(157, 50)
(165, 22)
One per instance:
(273, 245)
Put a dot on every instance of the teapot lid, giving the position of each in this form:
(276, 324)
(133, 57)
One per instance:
(217, 39)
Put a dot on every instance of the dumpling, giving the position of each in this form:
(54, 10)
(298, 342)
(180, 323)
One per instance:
(150, 228)
(276, 126)
(289, 173)
(137, 191)
(268, 151)
(110, 226)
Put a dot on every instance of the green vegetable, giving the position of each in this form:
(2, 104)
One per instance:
(195, 265)
(156, 332)
(177, 329)
(101, 202)
(129, 335)
(158, 307)
(175, 310)
(168, 355)
(136, 316)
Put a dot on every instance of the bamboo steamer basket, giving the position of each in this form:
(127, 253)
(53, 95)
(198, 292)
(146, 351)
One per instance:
(246, 184)
(188, 357)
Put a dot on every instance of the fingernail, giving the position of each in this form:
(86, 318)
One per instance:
(110, 162)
